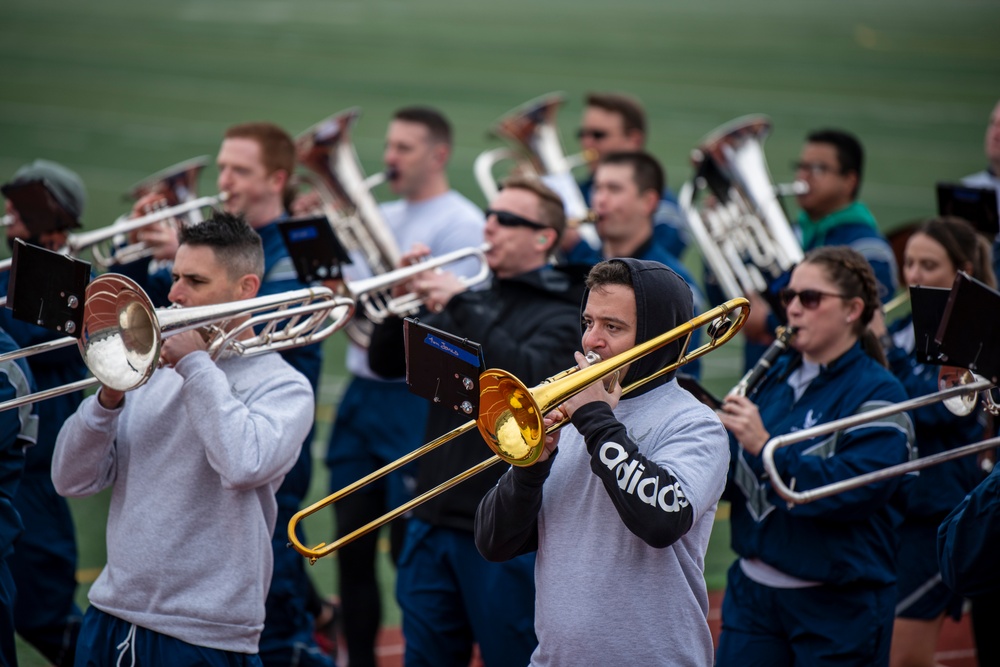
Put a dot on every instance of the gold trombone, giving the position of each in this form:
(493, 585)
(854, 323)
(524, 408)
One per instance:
(510, 417)
(122, 332)
(958, 394)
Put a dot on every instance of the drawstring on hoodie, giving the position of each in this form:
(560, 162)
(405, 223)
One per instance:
(127, 645)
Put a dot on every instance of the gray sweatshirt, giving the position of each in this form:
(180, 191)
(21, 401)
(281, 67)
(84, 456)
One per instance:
(194, 458)
(605, 595)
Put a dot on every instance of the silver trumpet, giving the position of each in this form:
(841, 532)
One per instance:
(122, 332)
(374, 292)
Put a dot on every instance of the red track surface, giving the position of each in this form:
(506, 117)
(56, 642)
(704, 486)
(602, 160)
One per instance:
(955, 647)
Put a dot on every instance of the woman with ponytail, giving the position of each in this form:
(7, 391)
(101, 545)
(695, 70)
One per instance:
(815, 583)
(935, 253)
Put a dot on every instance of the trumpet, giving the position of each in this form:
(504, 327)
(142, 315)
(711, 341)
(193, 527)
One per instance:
(374, 292)
(122, 333)
(510, 420)
(958, 394)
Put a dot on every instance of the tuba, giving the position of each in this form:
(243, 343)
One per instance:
(325, 149)
(740, 226)
(531, 129)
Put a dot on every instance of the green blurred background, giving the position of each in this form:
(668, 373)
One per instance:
(119, 89)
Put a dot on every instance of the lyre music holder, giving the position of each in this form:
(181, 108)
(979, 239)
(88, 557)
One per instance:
(314, 248)
(970, 328)
(48, 288)
(442, 367)
(927, 306)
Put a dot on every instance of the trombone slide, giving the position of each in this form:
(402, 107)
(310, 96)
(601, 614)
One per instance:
(809, 495)
(530, 406)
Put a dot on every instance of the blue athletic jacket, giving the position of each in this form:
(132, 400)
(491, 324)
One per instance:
(18, 430)
(848, 538)
(969, 541)
(51, 369)
(938, 489)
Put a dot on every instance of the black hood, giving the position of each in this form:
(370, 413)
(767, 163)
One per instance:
(662, 301)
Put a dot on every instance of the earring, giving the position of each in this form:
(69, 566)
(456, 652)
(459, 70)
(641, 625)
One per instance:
(542, 239)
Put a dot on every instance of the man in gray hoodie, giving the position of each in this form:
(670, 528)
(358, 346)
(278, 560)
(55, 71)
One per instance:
(193, 459)
(621, 518)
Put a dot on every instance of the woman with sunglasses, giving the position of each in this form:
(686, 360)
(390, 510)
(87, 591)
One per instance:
(814, 583)
(935, 253)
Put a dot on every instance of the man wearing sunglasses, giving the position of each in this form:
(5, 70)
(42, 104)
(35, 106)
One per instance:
(528, 323)
(614, 122)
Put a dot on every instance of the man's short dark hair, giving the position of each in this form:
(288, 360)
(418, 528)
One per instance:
(609, 272)
(438, 127)
(626, 106)
(235, 243)
(646, 170)
(850, 153)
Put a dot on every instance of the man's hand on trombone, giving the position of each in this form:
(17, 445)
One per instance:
(594, 392)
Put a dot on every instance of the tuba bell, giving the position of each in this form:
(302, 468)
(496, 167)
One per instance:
(337, 177)
(733, 209)
(532, 132)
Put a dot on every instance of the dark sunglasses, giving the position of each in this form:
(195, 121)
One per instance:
(596, 135)
(507, 219)
(809, 298)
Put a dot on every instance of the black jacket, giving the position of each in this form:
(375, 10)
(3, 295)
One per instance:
(528, 325)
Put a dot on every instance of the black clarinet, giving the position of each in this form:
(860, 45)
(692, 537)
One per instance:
(753, 377)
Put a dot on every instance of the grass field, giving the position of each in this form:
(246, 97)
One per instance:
(118, 89)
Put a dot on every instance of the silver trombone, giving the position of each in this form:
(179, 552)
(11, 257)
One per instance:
(956, 398)
(103, 242)
(122, 332)
(374, 292)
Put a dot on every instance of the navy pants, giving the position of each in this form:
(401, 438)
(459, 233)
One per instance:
(105, 638)
(287, 639)
(452, 597)
(819, 625)
(44, 565)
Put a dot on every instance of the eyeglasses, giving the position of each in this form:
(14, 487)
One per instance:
(813, 168)
(596, 135)
(809, 298)
(508, 219)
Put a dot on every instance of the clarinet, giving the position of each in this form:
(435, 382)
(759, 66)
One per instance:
(753, 377)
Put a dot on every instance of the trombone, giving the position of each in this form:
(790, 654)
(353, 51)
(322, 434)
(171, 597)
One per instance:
(101, 242)
(958, 398)
(122, 332)
(510, 419)
(374, 292)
